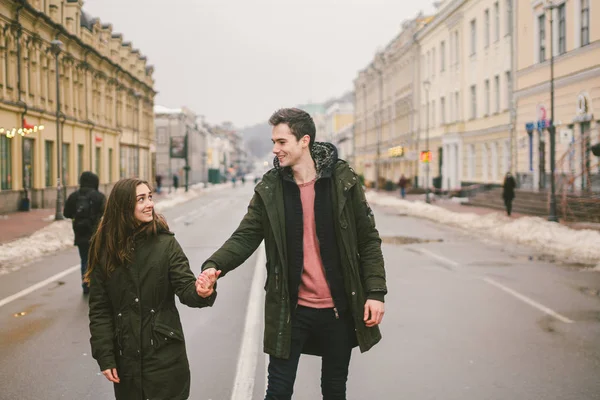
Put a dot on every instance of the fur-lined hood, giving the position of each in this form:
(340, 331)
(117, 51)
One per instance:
(324, 154)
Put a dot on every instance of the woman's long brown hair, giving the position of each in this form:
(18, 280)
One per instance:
(111, 245)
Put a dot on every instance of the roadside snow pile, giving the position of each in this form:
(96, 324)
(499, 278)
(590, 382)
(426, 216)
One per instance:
(59, 234)
(56, 236)
(580, 246)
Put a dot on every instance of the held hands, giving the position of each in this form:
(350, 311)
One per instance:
(111, 375)
(206, 282)
(374, 310)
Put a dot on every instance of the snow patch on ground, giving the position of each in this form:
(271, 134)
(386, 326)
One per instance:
(59, 234)
(549, 238)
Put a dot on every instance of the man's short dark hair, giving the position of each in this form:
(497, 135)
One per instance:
(299, 121)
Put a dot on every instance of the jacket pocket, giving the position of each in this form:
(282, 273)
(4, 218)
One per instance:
(164, 334)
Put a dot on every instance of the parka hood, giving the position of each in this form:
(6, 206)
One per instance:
(89, 180)
(324, 154)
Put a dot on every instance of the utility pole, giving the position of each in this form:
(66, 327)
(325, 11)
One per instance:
(552, 128)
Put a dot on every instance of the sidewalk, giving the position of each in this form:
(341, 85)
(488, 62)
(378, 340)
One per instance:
(21, 224)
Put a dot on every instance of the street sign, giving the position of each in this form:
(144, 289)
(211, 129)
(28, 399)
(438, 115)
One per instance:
(426, 156)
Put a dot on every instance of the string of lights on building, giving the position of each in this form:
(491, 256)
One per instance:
(27, 129)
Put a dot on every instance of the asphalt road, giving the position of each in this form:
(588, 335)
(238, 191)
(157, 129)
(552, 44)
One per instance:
(465, 319)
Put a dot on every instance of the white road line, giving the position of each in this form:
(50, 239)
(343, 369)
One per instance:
(443, 260)
(243, 386)
(529, 301)
(39, 285)
(508, 290)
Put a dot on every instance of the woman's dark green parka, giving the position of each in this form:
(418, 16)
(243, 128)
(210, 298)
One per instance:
(134, 323)
(357, 238)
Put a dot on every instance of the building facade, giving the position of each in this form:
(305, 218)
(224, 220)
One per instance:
(180, 130)
(105, 100)
(339, 121)
(574, 43)
(386, 98)
(466, 90)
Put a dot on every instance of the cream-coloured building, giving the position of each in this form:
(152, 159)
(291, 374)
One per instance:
(106, 102)
(465, 92)
(339, 119)
(386, 96)
(576, 48)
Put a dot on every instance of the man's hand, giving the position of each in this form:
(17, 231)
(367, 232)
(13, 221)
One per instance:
(206, 282)
(111, 375)
(374, 310)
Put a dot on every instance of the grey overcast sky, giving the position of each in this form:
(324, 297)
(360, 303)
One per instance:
(239, 60)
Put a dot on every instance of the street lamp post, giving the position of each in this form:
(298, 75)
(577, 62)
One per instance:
(426, 86)
(56, 47)
(552, 128)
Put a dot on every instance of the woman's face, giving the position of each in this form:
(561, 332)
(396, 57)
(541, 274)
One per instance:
(143, 204)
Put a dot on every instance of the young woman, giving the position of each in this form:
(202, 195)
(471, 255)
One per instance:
(136, 267)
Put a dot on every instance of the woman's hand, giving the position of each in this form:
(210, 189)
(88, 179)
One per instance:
(111, 375)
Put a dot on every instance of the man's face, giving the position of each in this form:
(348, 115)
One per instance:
(286, 147)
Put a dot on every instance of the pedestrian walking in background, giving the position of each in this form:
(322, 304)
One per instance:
(85, 207)
(136, 269)
(175, 182)
(508, 192)
(325, 271)
(403, 183)
(158, 183)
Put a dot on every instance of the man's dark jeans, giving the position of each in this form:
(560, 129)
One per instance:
(83, 254)
(334, 336)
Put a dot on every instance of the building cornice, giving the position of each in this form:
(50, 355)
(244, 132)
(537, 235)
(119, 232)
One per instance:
(559, 82)
(60, 30)
(559, 58)
(440, 17)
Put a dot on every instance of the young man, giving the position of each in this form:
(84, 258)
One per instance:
(85, 207)
(325, 272)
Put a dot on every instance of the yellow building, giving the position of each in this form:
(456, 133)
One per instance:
(105, 102)
(385, 113)
(575, 45)
(466, 84)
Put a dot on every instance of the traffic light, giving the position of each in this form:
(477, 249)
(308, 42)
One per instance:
(426, 156)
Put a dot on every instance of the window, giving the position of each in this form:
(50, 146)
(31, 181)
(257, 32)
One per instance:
(65, 164)
(443, 110)
(472, 156)
(433, 62)
(442, 56)
(542, 37)
(5, 163)
(162, 136)
(487, 27)
(585, 22)
(110, 165)
(80, 150)
(509, 17)
(457, 105)
(123, 162)
(48, 163)
(496, 21)
(456, 48)
(473, 102)
(98, 160)
(487, 97)
(508, 89)
(473, 37)
(562, 29)
(497, 92)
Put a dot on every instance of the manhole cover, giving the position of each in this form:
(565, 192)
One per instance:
(400, 240)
